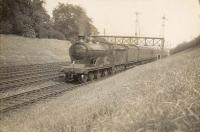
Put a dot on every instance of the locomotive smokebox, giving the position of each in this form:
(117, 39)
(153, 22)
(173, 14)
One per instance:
(85, 51)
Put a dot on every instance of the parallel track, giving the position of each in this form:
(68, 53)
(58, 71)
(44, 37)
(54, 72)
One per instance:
(21, 75)
(16, 77)
(18, 74)
(28, 67)
(19, 100)
(23, 99)
(27, 81)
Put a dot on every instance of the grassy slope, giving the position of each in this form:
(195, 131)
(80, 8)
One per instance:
(17, 50)
(160, 96)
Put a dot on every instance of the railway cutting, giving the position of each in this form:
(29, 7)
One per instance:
(92, 59)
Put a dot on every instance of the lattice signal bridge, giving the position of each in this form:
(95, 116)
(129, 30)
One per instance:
(146, 41)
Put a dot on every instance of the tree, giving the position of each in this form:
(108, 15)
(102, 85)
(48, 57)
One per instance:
(72, 21)
(5, 25)
(16, 17)
(30, 19)
(42, 22)
(26, 18)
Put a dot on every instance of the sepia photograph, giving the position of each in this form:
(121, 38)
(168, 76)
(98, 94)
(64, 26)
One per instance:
(99, 65)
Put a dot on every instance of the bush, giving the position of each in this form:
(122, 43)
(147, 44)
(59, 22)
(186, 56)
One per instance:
(28, 31)
(57, 35)
(45, 31)
(186, 45)
(30, 19)
(5, 27)
(41, 31)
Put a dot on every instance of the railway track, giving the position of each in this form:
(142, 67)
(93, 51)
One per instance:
(23, 99)
(28, 67)
(12, 84)
(22, 76)
(18, 74)
(29, 97)
(12, 77)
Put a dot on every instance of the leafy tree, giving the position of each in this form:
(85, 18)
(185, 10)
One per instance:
(65, 21)
(72, 21)
(93, 30)
(16, 17)
(42, 23)
(5, 25)
(195, 43)
(26, 18)
(29, 18)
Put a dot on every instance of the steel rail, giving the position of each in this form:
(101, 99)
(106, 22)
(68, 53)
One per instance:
(22, 99)
(4, 70)
(26, 76)
(15, 71)
(19, 100)
(28, 81)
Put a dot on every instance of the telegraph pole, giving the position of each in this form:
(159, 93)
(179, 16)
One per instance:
(163, 33)
(163, 26)
(137, 25)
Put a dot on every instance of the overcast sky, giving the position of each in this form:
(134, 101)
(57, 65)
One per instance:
(118, 17)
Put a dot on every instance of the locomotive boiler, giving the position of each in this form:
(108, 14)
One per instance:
(92, 60)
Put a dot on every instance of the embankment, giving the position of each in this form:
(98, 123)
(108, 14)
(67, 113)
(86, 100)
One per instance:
(16, 50)
(163, 96)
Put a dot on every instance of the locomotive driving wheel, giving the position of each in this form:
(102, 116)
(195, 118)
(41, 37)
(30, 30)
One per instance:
(68, 78)
(97, 75)
(83, 78)
(105, 73)
(91, 76)
(110, 71)
(113, 70)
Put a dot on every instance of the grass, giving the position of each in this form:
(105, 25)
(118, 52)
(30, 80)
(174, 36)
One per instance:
(186, 45)
(16, 50)
(163, 96)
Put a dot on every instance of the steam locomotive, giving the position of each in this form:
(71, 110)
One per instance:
(93, 60)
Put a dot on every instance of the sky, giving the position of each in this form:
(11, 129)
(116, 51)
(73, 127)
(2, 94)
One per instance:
(118, 17)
